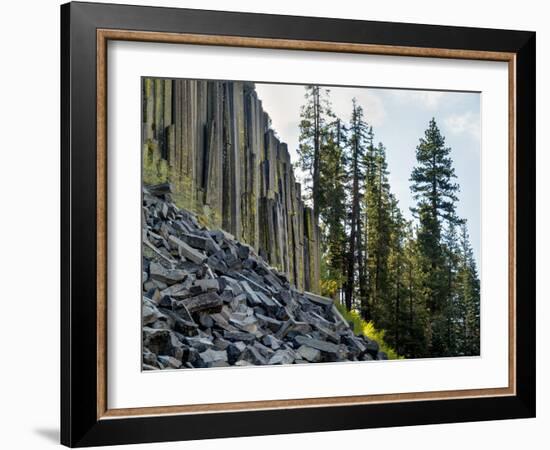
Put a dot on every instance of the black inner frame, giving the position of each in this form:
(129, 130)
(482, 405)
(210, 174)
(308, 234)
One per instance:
(79, 423)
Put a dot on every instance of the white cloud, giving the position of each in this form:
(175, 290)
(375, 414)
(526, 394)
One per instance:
(465, 123)
(373, 106)
(427, 99)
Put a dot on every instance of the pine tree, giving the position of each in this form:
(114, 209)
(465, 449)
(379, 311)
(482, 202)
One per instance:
(432, 178)
(332, 209)
(435, 193)
(316, 116)
(395, 293)
(414, 341)
(358, 135)
(451, 266)
(380, 209)
(468, 293)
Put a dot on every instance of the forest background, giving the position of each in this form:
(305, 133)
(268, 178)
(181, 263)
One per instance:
(393, 177)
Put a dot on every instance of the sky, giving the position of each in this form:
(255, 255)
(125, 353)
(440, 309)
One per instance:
(399, 119)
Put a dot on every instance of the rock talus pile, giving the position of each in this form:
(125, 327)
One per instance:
(210, 301)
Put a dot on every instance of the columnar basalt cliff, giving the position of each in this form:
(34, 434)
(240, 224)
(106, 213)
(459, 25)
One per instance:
(212, 140)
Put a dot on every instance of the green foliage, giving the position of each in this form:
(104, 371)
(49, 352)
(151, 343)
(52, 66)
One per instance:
(382, 225)
(411, 285)
(432, 179)
(467, 303)
(360, 135)
(367, 329)
(333, 210)
(316, 118)
(438, 258)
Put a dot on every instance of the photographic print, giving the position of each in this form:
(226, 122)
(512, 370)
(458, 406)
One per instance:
(310, 200)
(297, 224)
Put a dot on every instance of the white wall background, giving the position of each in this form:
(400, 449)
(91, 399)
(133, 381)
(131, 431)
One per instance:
(29, 168)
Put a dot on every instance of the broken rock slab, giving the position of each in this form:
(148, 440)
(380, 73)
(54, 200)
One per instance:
(209, 301)
(213, 356)
(168, 276)
(309, 353)
(187, 251)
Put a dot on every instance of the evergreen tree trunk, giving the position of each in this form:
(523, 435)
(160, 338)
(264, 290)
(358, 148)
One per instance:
(316, 153)
(397, 301)
(353, 237)
(350, 272)
(411, 333)
(361, 272)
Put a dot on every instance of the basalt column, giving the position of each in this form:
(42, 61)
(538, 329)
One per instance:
(213, 142)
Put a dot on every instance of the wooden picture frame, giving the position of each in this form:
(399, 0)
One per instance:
(85, 417)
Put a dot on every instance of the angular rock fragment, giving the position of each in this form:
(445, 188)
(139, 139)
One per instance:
(148, 367)
(300, 327)
(209, 301)
(355, 345)
(252, 355)
(265, 351)
(195, 240)
(166, 302)
(324, 346)
(243, 251)
(206, 320)
(221, 343)
(153, 294)
(231, 258)
(149, 357)
(282, 357)
(271, 341)
(206, 285)
(268, 302)
(372, 347)
(309, 353)
(169, 362)
(323, 301)
(234, 352)
(219, 364)
(162, 342)
(187, 251)
(181, 322)
(212, 356)
(239, 336)
(269, 322)
(254, 285)
(248, 324)
(175, 289)
(150, 313)
(242, 363)
(253, 298)
(168, 276)
(200, 344)
(283, 330)
(249, 264)
(217, 263)
(221, 322)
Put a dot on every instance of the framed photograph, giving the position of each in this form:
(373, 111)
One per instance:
(277, 224)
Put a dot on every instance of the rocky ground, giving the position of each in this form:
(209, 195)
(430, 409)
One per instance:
(210, 301)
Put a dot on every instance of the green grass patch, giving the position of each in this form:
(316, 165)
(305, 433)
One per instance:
(367, 329)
